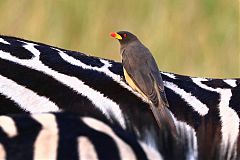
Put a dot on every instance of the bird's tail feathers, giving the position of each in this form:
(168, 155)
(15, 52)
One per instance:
(164, 119)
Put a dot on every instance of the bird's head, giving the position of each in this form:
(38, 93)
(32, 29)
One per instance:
(124, 37)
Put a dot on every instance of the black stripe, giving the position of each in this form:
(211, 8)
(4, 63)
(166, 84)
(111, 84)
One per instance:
(116, 68)
(129, 103)
(88, 60)
(209, 139)
(235, 100)
(92, 61)
(178, 77)
(5, 141)
(20, 42)
(14, 41)
(17, 51)
(217, 83)
(181, 110)
(45, 85)
(71, 128)
(210, 98)
(238, 83)
(130, 139)
(94, 79)
(208, 126)
(22, 145)
(7, 106)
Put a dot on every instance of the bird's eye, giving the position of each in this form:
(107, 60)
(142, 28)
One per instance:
(125, 35)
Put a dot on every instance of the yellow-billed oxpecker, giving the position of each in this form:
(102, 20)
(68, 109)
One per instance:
(142, 74)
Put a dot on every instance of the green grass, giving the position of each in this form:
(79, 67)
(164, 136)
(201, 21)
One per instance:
(198, 38)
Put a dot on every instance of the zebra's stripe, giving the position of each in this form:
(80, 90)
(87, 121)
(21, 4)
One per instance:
(124, 149)
(186, 131)
(104, 69)
(229, 118)
(86, 149)
(25, 98)
(169, 75)
(7, 124)
(3, 41)
(46, 144)
(198, 106)
(107, 106)
(230, 124)
(231, 82)
(151, 152)
(2, 152)
(44, 133)
(216, 94)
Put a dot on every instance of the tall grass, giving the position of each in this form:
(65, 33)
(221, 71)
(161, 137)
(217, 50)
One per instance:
(197, 37)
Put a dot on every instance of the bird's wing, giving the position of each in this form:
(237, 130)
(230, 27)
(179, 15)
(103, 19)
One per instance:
(141, 76)
(155, 72)
(145, 75)
(156, 75)
(145, 80)
(160, 87)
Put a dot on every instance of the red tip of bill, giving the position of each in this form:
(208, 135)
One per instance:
(113, 34)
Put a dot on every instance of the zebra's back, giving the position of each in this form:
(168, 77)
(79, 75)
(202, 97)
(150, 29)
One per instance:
(38, 78)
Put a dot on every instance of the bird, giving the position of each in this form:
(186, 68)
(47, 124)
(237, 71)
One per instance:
(142, 74)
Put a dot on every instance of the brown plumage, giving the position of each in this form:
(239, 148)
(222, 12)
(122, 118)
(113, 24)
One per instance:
(142, 74)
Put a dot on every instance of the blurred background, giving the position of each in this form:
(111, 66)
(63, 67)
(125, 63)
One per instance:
(190, 37)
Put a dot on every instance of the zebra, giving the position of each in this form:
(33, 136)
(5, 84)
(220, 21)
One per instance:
(65, 135)
(53, 79)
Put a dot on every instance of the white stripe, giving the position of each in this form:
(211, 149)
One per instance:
(188, 133)
(2, 152)
(231, 82)
(104, 69)
(46, 144)
(106, 65)
(25, 98)
(149, 138)
(230, 124)
(86, 149)
(125, 150)
(8, 126)
(106, 105)
(229, 118)
(198, 81)
(75, 62)
(170, 75)
(3, 41)
(198, 106)
(150, 152)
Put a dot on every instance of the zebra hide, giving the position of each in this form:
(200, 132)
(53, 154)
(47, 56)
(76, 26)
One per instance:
(38, 78)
